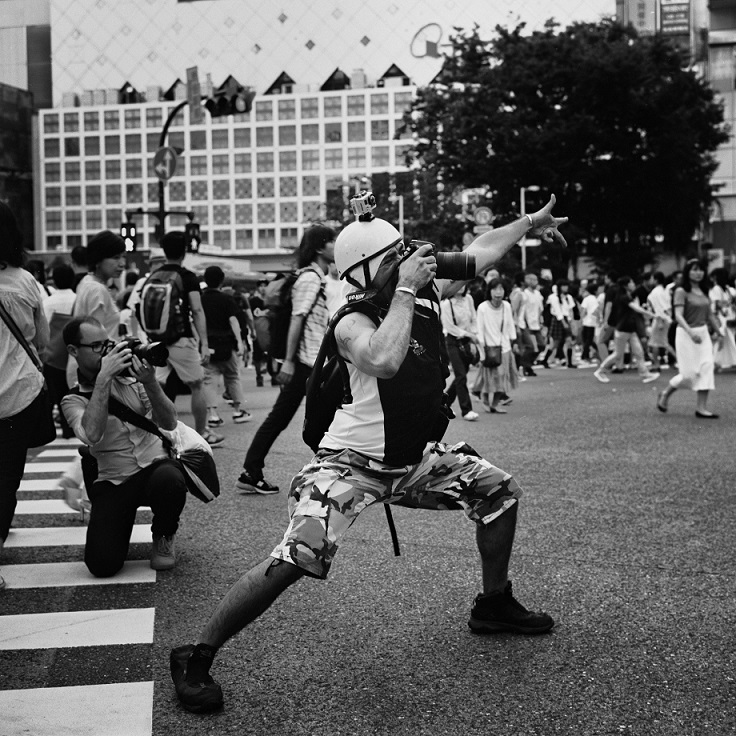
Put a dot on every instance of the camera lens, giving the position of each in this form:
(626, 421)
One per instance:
(455, 266)
(156, 353)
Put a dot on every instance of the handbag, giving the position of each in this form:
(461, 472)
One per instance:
(43, 429)
(492, 353)
(466, 347)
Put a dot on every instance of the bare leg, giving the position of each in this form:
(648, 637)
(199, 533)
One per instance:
(702, 401)
(495, 542)
(199, 407)
(248, 599)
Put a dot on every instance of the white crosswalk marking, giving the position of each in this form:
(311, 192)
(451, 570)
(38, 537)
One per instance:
(47, 484)
(76, 629)
(63, 536)
(67, 452)
(88, 710)
(45, 506)
(64, 574)
(55, 468)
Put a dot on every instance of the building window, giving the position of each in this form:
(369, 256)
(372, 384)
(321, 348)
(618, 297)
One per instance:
(133, 193)
(51, 124)
(177, 191)
(243, 214)
(112, 169)
(153, 192)
(287, 161)
(92, 146)
(112, 120)
(242, 163)
(402, 101)
(287, 109)
(221, 214)
(333, 107)
(264, 137)
(310, 186)
(71, 122)
(132, 119)
(356, 132)
(333, 132)
(93, 194)
(91, 121)
(312, 211)
(71, 146)
(72, 171)
(287, 186)
(310, 160)
(133, 169)
(221, 189)
(244, 239)
(356, 105)
(199, 190)
(242, 137)
(176, 139)
(266, 236)
(287, 135)
(112, 145)
(133, 143)
(264, 110)
(94, 220)
(51, 148)
(356, 158)
(113, 194)
(72, 241)
(201, 214)
(154, 117)
(379, 156)
(379, 130)
(310, 134)
(289, 237)
(401, 129)
(53, 196)
(53, 242)
(289, 212)
(53, 172)
(221, 164)
(220, 138)
(333, 158)
(74, 220)
(53, 220)
(198, 140)
(243, 189)
(198, 166)
(92, 171)
(310, 107)
(222, 239)
(73, 196)
(265, 187)
(264, 162)
(112, 219)
(379, 104)
(178, 120)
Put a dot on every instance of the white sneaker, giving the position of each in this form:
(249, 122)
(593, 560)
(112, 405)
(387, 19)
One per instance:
(649, 377)
(242, 416)
(213, 420)
(601, 377)
(471, 416)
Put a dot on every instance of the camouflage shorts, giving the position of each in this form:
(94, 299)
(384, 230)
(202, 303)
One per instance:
(326, 497)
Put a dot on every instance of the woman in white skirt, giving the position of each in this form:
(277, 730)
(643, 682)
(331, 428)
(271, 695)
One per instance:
(721, 304)
(694, 348)
(495, 325)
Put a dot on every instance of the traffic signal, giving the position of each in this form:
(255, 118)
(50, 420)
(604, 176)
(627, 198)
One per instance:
(192, 234)
(129, 234)
(230, 101)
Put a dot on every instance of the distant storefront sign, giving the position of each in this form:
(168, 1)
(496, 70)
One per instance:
(674, 18)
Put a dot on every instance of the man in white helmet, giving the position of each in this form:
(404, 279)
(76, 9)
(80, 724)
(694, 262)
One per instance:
(383, 447)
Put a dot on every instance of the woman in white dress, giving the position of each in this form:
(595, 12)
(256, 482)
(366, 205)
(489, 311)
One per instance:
(721, 304)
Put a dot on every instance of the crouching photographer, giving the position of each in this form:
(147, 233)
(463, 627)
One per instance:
(133, 468)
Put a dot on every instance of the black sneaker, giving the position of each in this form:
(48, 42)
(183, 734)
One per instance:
(530, 372)
(247, 483)
(499, 612)
(196, 697)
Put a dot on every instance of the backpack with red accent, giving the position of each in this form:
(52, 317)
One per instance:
(160, 310)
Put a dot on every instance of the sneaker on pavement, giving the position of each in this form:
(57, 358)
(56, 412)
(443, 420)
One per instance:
(602, 377)
(163, 556)
(214, 421)
(497, 612)
(242, 416)
(529, 372)
(246, 483)
(197, 697)
(649, 377)
(227, 397)
(471, 416)
(213, 439)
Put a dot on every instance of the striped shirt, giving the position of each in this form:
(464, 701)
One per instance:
(308, 299)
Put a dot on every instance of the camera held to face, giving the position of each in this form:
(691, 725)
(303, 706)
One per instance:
(453, 266)
(155, 353)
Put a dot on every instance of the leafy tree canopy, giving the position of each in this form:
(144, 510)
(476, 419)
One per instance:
(610, 121)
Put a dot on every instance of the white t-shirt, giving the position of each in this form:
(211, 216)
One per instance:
(589, 309)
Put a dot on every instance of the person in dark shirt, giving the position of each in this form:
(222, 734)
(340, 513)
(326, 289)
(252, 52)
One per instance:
(260, 330)
(226, 344)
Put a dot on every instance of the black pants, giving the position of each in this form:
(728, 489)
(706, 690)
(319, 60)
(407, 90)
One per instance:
(15, 434)
(459, 387)
(161, 486)
(588, 342)
(58, 389)
(287, 404)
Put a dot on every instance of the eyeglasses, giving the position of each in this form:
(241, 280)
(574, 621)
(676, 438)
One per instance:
(98, 347)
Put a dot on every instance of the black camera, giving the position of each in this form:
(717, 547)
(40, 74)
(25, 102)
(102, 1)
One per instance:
(155, 353)
(453, 266)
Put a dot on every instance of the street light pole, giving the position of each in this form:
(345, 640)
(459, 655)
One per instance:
(522, 205)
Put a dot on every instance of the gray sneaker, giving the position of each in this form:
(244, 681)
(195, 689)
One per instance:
(163, 556)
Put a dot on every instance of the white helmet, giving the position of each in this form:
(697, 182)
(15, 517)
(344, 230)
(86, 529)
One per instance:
(359, 244)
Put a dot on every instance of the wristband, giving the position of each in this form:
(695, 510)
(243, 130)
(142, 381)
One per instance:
(531, 222)
(407, 290)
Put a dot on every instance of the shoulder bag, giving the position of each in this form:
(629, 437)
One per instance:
(465, 345)
(493, 357)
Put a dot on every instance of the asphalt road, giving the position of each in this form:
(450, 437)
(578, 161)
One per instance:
(626, 536)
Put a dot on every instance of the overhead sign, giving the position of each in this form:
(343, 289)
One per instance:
(482, 228)
(194, 97)
(164, 163)
(674, 19)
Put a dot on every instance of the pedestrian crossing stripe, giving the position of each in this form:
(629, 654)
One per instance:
(68, 452)
(51, 506)
(86, 710)
(64, 536)
(46, 467)
(46, 484)
(72, 574)
(76, 629)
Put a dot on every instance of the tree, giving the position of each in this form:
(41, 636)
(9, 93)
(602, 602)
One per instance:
(610, 121)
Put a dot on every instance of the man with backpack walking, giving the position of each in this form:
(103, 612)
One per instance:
(170, 302)
(295, 338)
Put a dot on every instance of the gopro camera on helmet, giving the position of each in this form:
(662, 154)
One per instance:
(363, 204)
(155, 353)
(453, 266)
